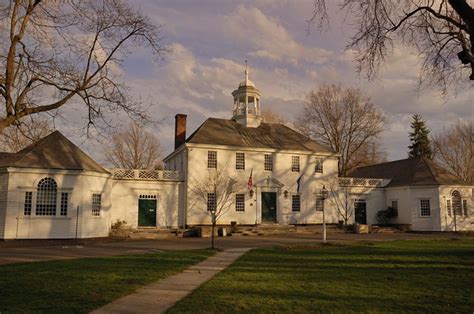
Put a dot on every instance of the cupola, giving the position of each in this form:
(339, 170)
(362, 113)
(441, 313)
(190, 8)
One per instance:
(247, 103)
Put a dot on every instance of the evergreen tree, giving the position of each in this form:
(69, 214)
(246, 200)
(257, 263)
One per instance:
(420, 143)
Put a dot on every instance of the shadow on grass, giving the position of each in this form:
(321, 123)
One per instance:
(400, 276)
(82, 285)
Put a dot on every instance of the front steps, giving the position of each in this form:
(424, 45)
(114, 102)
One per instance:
(275, 229)
(154, 233)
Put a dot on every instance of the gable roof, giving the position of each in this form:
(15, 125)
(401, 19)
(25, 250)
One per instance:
(409, 172)
(54, 151)
(268, 135)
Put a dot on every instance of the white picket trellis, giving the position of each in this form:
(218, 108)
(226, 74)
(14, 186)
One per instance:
(147, 175)
(369, 182)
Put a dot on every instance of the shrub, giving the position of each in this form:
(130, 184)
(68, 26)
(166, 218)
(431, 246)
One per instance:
(384, 216)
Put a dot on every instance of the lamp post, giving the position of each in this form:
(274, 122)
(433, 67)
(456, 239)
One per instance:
(324, 195)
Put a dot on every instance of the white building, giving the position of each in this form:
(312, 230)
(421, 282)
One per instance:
(52, 189)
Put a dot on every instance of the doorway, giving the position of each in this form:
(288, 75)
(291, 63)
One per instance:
(147, 211)
(269, 204)
(360, 211)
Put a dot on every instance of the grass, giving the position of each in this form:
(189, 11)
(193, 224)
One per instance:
(400, 276)
(81, 285)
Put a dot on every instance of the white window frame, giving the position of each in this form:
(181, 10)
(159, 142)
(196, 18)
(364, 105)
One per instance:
(320, 162)
(94, 210)
(61, 193)
(465, 207)
(210, 203)
(398, 205)
(240, 203)
(295, 164)
(268, 161)
(421, 207)
(319, 206)
(212, 159)
(240, 161)
(293, 203)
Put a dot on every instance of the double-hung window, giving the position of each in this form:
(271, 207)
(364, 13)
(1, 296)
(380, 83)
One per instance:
(395, 207)
(212, 159)
(464, 207)
(96, 204)
(425, 208)
(239, 202)
(268, 162)
(318, 167)
(239, 161)
(296, 202)
(211, 202)
(28, 203)
(64, 203)
(319, 202)
(295, 163)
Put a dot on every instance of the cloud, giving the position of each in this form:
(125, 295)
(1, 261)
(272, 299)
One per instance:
(210, 41)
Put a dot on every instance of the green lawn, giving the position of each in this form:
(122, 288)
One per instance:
(402, 276)
(82, 285)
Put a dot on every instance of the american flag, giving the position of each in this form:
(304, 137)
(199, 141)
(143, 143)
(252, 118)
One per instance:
(250, 182)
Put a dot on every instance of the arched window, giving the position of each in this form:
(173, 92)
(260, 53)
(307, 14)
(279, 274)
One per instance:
(46, 197)
(456, 203)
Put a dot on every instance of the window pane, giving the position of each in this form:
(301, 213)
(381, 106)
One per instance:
(211, 201)
(318, 168)
(240, 161)
(212, 159)
(425, 209)
(64, 203)
(295, 203)
(464, 207)
(28, 203)
(295, 163)
(239, 202)
(395, 207)
(96, 204)
(319, 202)
(46, 197)
(268, 164)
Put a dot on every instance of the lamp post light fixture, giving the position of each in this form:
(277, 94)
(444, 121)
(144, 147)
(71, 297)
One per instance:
(285, 193)
(324, 195)
(251, 193)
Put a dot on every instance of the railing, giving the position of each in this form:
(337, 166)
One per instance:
(368, 182)
(146, 175)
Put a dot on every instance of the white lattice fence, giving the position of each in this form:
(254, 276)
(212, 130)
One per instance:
(146, 175)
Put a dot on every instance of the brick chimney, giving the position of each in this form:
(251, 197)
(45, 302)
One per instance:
(179, 130)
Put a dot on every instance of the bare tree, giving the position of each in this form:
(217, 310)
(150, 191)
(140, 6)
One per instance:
(134, 148)
(345, 120)
(59, 52)
(454, 149)
(15, 138)
(214, 194)
(270, 116)
(370, 153)
(340, 199)
(441, 31)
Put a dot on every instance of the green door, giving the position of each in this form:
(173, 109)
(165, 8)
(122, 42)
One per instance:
(269, 207)
(146, 213)
(360, 210)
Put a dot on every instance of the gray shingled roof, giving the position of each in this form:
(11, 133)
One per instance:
(267, 135)
(409, 172)
(54, 151)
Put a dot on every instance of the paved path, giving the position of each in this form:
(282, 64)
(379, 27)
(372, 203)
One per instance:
(163, 294)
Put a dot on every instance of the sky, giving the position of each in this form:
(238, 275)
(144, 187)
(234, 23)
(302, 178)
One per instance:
(209, 41)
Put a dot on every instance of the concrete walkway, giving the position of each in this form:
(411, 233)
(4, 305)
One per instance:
(163, 294)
